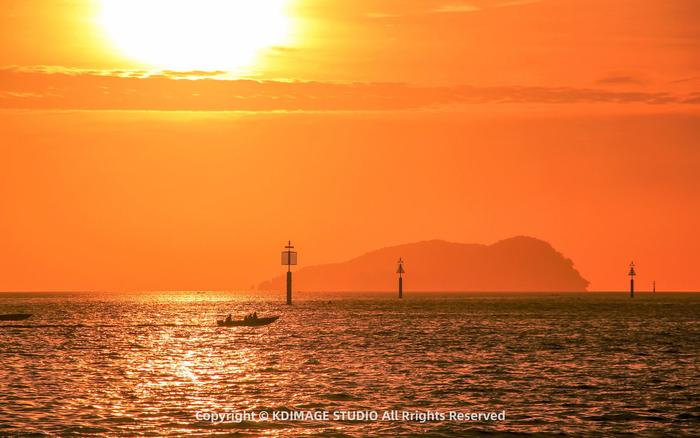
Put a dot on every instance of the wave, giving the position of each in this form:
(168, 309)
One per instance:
(36, 326)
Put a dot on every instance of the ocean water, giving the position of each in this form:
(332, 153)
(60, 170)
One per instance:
(156, 364)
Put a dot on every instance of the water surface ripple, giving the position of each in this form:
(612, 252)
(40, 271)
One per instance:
(144, 364)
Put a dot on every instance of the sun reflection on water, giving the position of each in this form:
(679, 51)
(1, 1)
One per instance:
(146, 365)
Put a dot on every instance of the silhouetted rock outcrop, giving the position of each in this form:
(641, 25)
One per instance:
(515, 264)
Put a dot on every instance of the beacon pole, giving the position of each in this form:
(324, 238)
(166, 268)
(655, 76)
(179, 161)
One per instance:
(632, 273)
(289, 258)
(400, 271)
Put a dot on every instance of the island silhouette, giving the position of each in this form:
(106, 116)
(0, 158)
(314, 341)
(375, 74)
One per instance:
(516, 264)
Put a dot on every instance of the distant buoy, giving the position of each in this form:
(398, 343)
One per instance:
(400, 271)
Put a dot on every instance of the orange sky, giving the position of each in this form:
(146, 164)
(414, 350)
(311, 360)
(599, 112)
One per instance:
(376, 123)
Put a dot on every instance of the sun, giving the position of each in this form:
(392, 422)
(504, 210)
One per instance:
(195, 34)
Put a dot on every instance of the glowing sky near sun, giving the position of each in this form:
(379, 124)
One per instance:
(345, 126)
(195, 35)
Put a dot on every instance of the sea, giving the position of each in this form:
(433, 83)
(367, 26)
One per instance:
(351, 364)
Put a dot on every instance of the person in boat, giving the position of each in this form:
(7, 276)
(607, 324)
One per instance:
(255, 315)
(228, 318)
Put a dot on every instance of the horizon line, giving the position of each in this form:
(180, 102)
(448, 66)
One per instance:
(82, 291)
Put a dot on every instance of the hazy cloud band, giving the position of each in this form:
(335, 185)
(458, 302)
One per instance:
(203, 91)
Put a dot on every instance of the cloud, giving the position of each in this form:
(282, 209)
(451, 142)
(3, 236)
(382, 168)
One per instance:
(482, 5)
(620, 80)
(381, 15)
(693, 98)
(689, 79)
(457, 7)
(56, 88)
(172, 74)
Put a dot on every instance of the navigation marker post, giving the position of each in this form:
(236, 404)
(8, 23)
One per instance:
(632, 273)
(400, 271)
(289, 258)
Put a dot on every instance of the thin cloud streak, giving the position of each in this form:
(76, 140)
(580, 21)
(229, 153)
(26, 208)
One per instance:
(452, 8)
(211, 91)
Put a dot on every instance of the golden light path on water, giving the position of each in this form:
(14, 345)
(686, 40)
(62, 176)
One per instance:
(139, 364)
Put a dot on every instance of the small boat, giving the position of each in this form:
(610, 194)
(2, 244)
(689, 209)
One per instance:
(15, 316)
(253, 322)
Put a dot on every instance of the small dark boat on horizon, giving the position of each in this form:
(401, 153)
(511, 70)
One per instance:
(250, 322)
(15, 316)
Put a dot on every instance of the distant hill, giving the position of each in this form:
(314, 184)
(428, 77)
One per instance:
(516, 264)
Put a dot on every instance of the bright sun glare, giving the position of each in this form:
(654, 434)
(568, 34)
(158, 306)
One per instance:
(195, 34)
